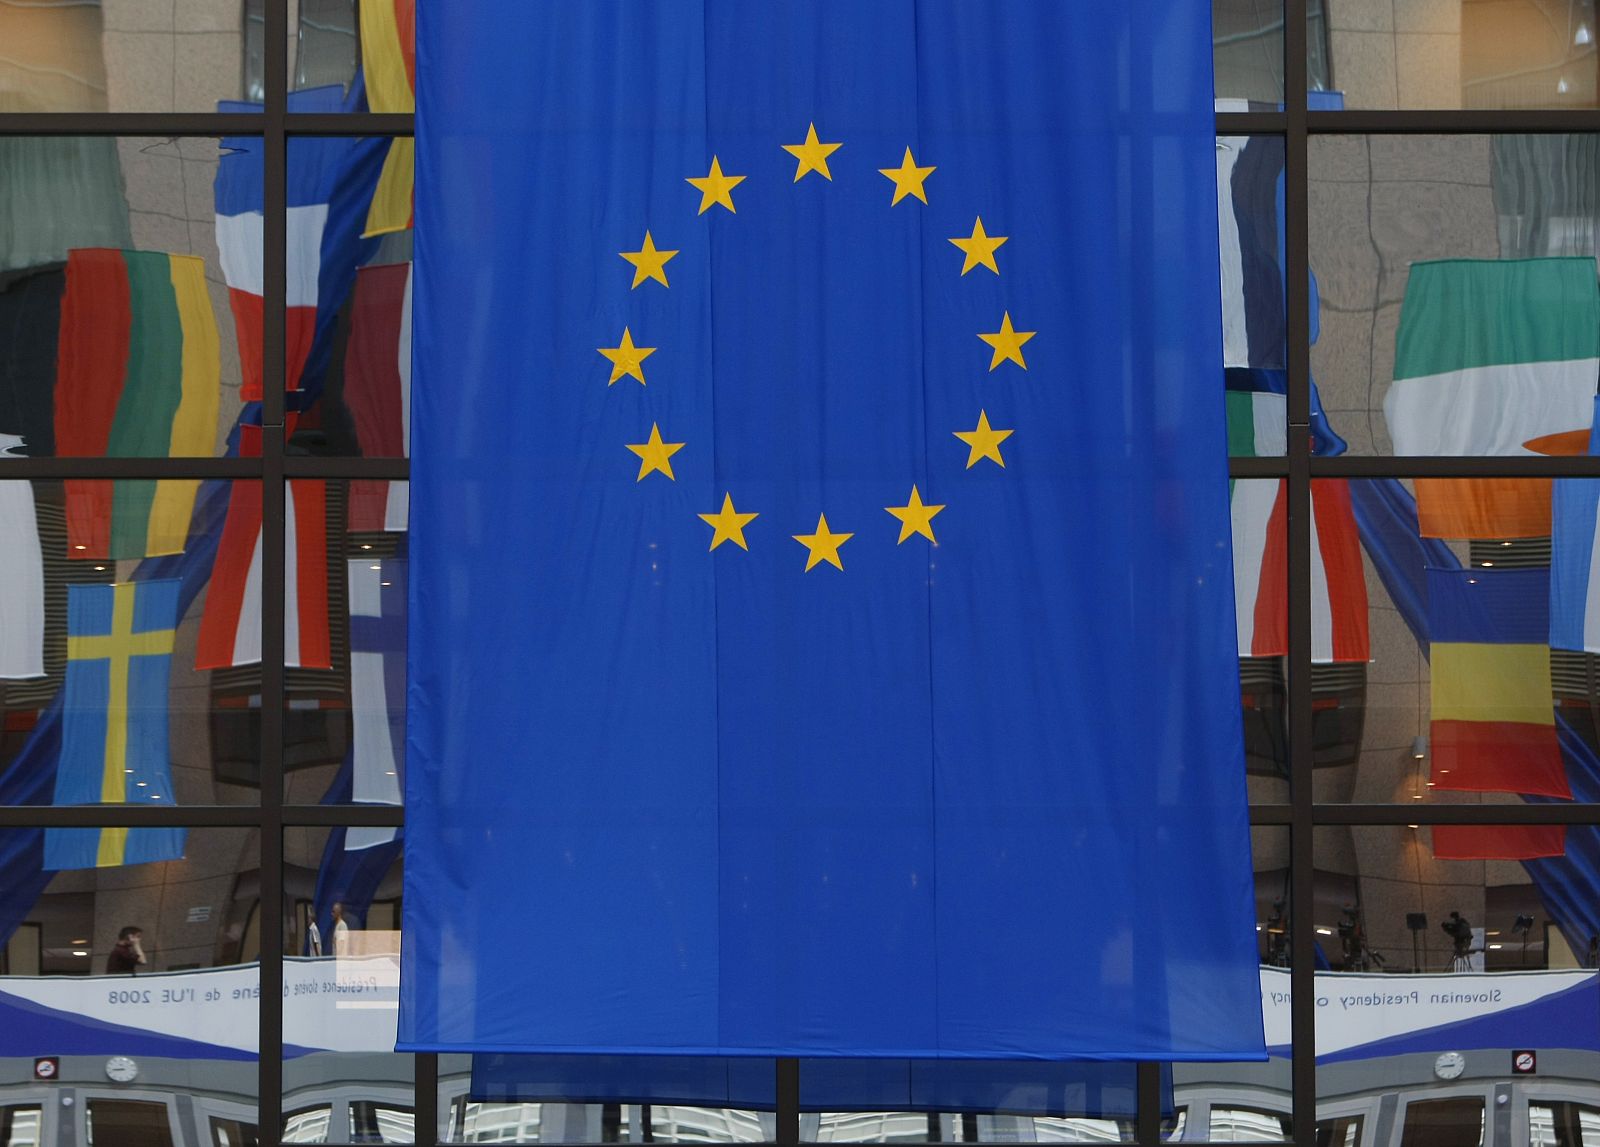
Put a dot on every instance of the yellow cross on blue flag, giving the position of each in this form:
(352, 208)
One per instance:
(821, 627)
(114, 745)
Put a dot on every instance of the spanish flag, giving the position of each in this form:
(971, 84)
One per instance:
(389, 64)
(1493, 713)
(138, 376)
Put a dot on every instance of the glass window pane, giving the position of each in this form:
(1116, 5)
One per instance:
(1472, 54)
(122, 56)
(130, 987)
(123, 332)
(343, 1082)
(349, 300)
(1495, 948)
(344, 722)
(1459, 305)
(332, 41)
(1453, 661)
(115, 677)
(1247, 1102)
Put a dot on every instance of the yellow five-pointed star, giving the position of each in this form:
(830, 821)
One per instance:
(984, 441)
(648, 262)
(627, 358)
(980, 248)
(812, 154)
(824, 545)
(716, 187)
(729, 524)
(655, 454)
(908, 179)
(1007, 343)
(915, 518)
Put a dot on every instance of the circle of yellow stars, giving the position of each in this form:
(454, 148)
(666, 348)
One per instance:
(983, 441)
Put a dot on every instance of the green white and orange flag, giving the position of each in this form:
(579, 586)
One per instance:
(138, 376)
(389, 64)
(1492, 356)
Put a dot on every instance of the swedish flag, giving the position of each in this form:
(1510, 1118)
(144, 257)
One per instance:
(821, 639)
(114, 720)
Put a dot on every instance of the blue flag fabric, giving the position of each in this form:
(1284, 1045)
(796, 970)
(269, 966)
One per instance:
(114, 720)
(711, 748)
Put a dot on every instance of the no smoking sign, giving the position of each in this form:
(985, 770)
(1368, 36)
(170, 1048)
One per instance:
(1524, 1062)
(47, 1067)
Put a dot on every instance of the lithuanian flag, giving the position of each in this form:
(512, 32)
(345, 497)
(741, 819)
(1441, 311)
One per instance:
(138, 375)
(389, 65)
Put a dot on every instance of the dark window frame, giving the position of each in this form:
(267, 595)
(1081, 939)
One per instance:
(1301, 814)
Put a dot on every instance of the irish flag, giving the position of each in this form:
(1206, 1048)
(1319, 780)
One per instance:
(138, 376)
(389, 66)
(1256, 428)
(1490, 355)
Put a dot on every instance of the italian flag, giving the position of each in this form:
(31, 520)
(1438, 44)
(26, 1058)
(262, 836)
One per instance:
(1491, 355)
(1257, 424)
(138, 376)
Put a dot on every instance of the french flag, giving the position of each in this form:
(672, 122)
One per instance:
(230, 627)
(330, 182)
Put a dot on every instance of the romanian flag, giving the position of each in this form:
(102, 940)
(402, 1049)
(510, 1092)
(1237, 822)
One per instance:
(389, 65)
(1257, 426)
(138, 376)
(114, 720)
(1489, 355)
(230, 627)
(377, 389)
(1493, 710)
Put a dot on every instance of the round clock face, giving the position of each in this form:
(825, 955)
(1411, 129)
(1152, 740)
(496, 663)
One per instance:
(1450, 1065)
(121, 1069)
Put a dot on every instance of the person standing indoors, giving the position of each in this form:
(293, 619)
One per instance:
(128, 954)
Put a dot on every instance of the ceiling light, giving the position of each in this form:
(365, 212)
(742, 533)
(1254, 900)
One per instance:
(1582, 35)
(1324, 931)
(79, 952)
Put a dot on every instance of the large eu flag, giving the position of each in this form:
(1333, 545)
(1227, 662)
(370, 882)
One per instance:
(821, 627)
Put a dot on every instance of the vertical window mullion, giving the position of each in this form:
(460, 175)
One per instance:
(275, 277)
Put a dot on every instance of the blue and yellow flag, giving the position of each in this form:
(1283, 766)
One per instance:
(114, 720)
(821, 629)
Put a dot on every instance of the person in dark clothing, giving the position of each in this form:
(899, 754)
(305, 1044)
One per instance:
(128, 954)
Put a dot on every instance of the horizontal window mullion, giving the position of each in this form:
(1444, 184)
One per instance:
(1242, 467)
(1344, 466)
(347, 815)
(352, 123)
(1453, 122)
(130, 468)
(1252, 123)
(132, 816)
(160, 124)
